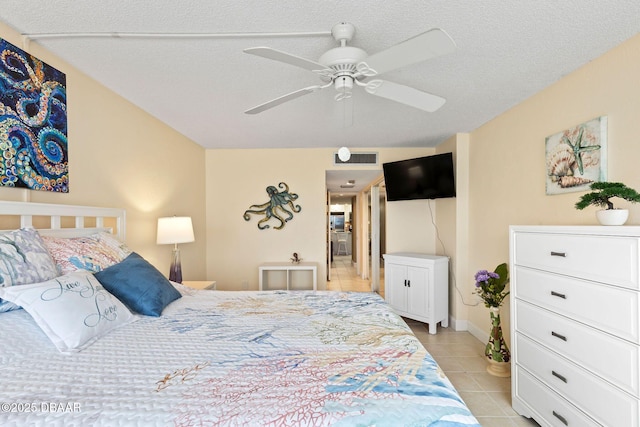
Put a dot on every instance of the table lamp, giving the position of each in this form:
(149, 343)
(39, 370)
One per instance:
(174, 230)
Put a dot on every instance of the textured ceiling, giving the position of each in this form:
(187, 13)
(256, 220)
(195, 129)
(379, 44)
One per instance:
(506, 52)
(201, 87)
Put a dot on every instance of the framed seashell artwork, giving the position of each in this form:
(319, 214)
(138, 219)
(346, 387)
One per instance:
(576, 157)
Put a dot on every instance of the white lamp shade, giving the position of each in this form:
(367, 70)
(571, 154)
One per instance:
(175, 229)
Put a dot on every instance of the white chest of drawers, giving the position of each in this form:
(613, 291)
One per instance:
(575, 327)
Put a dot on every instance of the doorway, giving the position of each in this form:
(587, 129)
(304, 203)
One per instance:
(343, 233)
(348, 203)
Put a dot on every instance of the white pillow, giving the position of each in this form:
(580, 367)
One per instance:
(24, 259)
(72, 310)
(93, 253)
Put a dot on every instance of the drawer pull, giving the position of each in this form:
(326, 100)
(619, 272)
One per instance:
(562, 254)
(405, 282)
(556, 294)
(409, 283)
(561, 418)
(560, 377)
(557, 335)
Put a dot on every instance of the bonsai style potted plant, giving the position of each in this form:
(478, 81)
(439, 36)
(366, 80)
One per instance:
(603, 192)
(490, 286)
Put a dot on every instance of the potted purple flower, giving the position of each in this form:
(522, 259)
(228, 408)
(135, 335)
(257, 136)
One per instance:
(490, 286)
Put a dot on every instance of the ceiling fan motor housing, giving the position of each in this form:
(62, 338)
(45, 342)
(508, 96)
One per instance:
(339, 57)
(343, 60)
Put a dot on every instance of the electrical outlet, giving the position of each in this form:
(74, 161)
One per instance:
(245, 285)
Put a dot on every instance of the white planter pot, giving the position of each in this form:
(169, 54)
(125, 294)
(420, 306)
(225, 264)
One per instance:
(612, 216)
(499, 369)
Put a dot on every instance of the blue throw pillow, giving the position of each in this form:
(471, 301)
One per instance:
(139, 285)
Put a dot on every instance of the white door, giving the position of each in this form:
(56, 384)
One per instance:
(328, 228)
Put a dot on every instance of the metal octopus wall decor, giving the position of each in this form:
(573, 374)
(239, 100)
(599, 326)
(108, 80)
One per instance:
(276, 207)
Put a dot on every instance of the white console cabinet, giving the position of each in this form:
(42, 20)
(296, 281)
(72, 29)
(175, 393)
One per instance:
(416, 286)
(575, 329)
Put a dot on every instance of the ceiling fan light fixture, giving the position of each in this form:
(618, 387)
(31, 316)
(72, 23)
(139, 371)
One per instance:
(343, 83)
(344, 154)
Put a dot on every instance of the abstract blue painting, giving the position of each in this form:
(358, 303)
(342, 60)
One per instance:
(33, 122)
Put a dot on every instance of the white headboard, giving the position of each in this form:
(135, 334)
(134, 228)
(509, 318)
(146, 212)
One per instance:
(27, 210)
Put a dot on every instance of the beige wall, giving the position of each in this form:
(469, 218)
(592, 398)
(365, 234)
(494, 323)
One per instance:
(236, 179)
(120, 156)
(453, 232)
(507, 164)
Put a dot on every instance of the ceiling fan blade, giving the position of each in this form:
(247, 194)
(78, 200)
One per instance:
(287, 58)
(429, 44)
(405, 95)
(281, 100)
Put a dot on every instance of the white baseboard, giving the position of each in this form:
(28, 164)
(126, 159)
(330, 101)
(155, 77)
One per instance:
(457, 325)
(479, 333)
(465, 325)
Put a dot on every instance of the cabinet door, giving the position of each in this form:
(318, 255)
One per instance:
(394, 286)
(418, 290)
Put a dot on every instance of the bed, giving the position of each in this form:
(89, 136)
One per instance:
(209, 358)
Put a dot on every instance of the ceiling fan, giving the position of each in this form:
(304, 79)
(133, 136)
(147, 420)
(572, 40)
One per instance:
(344, 66)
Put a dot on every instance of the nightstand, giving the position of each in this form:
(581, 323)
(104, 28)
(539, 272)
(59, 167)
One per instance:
(200, 284)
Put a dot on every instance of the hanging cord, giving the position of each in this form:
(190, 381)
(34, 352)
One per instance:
(451, 269)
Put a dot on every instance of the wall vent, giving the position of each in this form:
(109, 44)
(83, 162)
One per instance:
(357, 159)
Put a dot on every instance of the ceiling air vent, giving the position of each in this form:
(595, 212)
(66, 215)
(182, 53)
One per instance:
(357, 159)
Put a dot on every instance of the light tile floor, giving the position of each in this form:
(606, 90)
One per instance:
(345, 278)
(459, 354)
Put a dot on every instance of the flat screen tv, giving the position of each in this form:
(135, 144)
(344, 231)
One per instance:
(429, 177)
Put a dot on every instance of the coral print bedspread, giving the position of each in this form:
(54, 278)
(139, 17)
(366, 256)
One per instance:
(233, 359)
